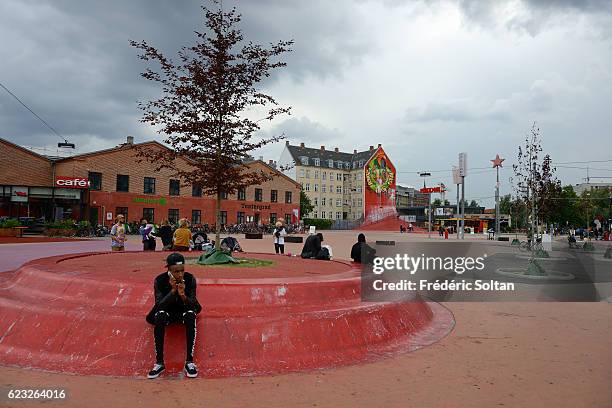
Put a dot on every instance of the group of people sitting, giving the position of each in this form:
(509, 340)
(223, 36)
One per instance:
(177, 240)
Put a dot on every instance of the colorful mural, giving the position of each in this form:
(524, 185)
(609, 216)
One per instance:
(379, 195)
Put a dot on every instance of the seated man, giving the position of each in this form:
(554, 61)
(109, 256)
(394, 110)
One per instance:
(361, 252)
(313, 249)
(175, 302)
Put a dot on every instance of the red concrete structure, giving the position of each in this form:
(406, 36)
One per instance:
(85, 314)
(97, 186)
(380, 188)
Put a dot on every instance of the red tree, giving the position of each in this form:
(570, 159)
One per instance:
(206, 97)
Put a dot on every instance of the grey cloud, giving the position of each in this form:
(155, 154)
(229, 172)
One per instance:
(71, 62)
(305, 130)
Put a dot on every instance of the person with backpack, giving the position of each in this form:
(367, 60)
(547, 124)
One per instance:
(279, 238)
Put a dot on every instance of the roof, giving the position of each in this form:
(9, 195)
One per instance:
(23, 149)
(325, 155)
(114, 149)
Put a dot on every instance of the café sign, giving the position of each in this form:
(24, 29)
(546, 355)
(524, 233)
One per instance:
(71, 182)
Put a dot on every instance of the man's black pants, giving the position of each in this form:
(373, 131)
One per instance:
(162, 319)
(280, 247)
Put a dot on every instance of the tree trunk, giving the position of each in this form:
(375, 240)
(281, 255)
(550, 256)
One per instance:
(218, 217)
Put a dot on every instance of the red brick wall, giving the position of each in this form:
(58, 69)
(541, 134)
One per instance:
(19, 168)
(122, 161)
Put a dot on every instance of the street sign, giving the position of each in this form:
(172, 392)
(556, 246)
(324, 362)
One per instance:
(463, 164)
(456, 175)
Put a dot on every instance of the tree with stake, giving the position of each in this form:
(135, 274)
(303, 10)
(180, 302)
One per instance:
(206, 97)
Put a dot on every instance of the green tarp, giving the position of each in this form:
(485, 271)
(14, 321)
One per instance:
(213, 257)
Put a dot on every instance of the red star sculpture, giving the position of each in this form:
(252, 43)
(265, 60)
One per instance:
(497, 161)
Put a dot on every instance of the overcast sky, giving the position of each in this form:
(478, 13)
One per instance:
(425, 79)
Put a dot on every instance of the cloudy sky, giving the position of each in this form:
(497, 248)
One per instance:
(426, 79)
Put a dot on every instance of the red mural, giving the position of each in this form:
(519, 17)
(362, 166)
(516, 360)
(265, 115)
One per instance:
(379, 194)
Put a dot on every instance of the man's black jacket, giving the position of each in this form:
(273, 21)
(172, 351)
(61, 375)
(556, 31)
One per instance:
(172, 302)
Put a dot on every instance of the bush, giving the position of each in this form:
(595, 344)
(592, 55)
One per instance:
(64, 224)
(10, 223)
(320, 223)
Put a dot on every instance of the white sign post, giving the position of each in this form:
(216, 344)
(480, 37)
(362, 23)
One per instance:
(462, 173)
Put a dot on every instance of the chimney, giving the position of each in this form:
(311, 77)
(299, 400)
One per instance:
(270, 162)
(355, 151)
(336, 150)
(301, 144)
(322, 147)
(379, 145)
(371, 148)
(286, 143)
(130, 140)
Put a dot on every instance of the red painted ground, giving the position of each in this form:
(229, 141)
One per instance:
(26, 240)
(390, 224)
(85, 315)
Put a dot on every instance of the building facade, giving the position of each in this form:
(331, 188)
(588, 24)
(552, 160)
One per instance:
(99, 185)
(340, 185)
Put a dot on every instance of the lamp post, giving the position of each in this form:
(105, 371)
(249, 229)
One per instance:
(425, 174)
(497, 163)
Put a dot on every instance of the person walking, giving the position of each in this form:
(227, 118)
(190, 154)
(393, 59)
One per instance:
(117, 234)
(279, 237)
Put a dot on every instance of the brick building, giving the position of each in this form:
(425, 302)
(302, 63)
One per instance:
(39, 186)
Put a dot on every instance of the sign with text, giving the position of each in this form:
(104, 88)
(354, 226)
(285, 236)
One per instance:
(71, 182)
(428, 190)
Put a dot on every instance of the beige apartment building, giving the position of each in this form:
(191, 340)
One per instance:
(333, 180)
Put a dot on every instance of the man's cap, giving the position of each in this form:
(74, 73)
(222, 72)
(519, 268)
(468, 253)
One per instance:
(175, 259)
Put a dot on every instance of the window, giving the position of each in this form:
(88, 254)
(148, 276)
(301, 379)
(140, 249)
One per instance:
(339, 177)
(307, 188)
(324, 176)
(175, 187)
(316, 187)
(288, 197)
(322, 214)
(242, 193)
(308, 174)
(240, 217)
(258, 194)
(359, 189)
(331, 176)
(360, 163)
(331, 202)
(196, 216)
(338, 189)
(148, 214)
(317, 162)
(359, 177)
(173, 215)
(316, 201)
(149, 185)
(95, 181)
(359, 202)
(339, 164)
(302, 173)
(224, 195)
(345, 177)
(338, 202)
(346, 201)
(331, 215)
(330, 163)
(304, 160)
(273, 196)
(122, 211)
(323, 202)
(347, 165)
(316, 174)
(123, 183)
(338, 215)
(223, 217)
(323, 188)
(354, 176)
(272, 218)
(196, 191)
(287, 217)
